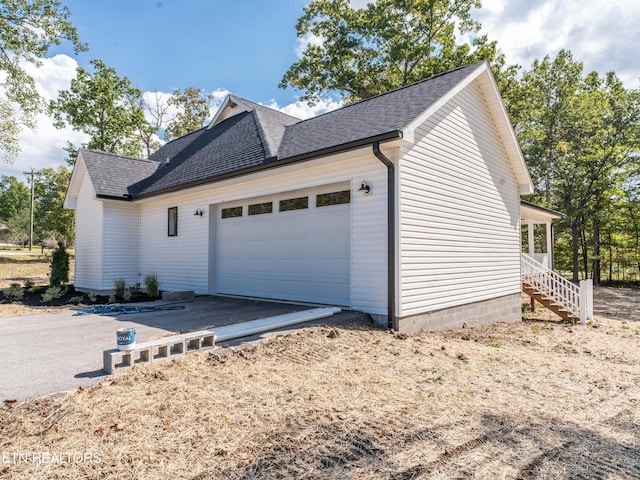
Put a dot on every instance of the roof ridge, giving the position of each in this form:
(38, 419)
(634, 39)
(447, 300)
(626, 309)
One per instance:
(393, 91)
(128, 157)
(261, 134)
(275, 110)
(186, 135)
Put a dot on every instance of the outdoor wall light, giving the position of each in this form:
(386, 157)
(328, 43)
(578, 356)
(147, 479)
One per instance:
(199, 212)
(365, 188)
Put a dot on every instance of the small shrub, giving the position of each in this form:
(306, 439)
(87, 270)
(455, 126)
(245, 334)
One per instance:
(29, 285)
(15, 290)
(92, 297)
(77, 299)
(126, 295)
(112, 299)
(52, 292)
(120, 287)
(152, 285)
(59, 266)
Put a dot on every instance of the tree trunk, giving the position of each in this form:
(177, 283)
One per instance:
(575, 249)
(585, 253)
(610, 258)
(596, 249)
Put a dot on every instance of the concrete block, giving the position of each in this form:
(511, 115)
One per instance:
(172, 296)
(141, 355)
(114, 358)
(176, 348)
(160, 352)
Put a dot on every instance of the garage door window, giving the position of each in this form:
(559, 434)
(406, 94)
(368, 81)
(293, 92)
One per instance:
(232, 212)
(261, 208)
(333, 198)
(299, 203)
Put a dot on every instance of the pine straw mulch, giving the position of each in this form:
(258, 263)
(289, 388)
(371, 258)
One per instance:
(512, 401)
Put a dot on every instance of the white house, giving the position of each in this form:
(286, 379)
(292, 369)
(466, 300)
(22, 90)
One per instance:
(405, 206)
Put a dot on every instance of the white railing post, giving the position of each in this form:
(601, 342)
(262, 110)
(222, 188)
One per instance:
(586, 300)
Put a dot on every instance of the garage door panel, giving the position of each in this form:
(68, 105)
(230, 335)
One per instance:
(293, 226)
(293, 255)
(332, 246)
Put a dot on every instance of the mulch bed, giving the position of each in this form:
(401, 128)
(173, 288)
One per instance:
(69, 296)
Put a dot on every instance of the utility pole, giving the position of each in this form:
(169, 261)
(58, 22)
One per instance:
(32, 173)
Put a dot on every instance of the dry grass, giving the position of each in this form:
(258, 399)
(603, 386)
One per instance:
(19, 268)
(514, 401)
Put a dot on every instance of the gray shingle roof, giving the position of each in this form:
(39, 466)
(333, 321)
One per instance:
(111, 174)
(272, 124)
(385, 113)
(255, 139)
(232, 145)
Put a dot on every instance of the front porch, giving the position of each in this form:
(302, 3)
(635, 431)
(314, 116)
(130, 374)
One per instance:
(539, 281)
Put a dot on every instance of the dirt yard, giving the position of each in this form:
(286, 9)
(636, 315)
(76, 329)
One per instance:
(534, 399)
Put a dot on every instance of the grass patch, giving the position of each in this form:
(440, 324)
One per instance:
(23, 268)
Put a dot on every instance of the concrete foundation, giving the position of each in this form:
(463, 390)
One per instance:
(502, 309)
(173, 296)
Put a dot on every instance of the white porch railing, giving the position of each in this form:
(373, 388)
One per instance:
(578, 300)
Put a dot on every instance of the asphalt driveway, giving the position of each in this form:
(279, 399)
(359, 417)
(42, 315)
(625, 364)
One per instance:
(53, 352)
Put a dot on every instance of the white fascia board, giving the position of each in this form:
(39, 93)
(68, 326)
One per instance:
(229, 99)
(78, 174)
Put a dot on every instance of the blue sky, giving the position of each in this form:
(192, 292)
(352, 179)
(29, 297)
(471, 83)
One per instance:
(245, 46)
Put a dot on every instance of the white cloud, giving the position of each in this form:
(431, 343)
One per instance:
(54, 74)
(602, 34)
(43, 147)
(303, 110)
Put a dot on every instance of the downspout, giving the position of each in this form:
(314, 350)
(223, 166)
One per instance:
(391, 242)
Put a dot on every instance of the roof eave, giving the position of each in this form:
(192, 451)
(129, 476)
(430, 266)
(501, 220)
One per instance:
(274, 162)
(554, 214)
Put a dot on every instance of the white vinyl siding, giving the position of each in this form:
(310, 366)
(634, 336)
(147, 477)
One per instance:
(121, 233)
(459, 217)
(182, 262)
(88, 253)
(179, 261)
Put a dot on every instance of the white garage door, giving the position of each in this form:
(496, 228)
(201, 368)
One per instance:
(292, 246)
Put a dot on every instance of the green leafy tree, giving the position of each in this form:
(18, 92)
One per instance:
(28, 29)
(578, 133)
(50, 217)
(360, 53)
(14, 209)
(104, 106)
(14, 197)
(193, 111)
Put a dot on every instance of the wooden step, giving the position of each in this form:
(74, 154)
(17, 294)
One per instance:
(549, 303)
